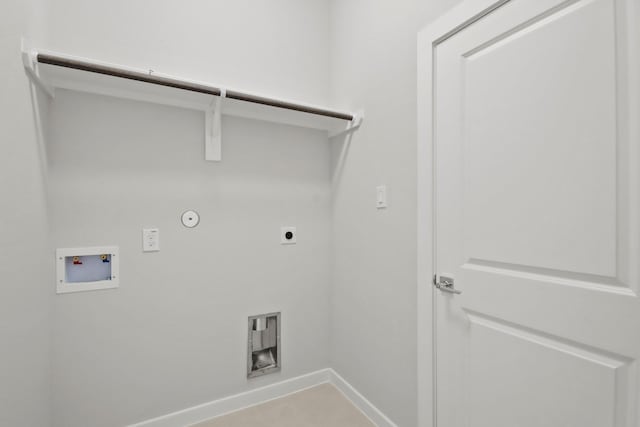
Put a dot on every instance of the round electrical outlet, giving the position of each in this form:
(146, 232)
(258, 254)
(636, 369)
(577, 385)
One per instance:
(288, 235)
(190, 219)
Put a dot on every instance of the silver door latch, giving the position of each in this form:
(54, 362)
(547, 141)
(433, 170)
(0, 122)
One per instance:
(445, 284)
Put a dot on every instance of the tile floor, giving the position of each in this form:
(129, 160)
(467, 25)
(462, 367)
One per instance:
(320, 406)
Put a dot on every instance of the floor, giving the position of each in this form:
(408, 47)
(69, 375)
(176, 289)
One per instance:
(320, 406)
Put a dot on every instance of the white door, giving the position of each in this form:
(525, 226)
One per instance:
(537, 217)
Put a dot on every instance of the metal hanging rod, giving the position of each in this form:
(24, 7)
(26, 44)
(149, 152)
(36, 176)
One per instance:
(287, 105)
(76, 64)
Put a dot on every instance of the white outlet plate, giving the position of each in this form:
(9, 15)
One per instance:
(288, 235)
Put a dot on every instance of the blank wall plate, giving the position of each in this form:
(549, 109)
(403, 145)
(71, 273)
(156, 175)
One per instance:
(288, 235)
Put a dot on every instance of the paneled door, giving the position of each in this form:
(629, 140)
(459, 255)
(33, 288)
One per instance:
(537, 219)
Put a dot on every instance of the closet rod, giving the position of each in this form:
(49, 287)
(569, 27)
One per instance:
(287, 105)
(125, 74)
(179, 84)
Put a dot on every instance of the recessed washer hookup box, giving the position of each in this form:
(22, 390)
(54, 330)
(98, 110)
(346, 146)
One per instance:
(87, 269)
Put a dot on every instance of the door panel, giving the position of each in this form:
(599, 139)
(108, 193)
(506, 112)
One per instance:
(544, 172)
(585, 378)
(536, 218)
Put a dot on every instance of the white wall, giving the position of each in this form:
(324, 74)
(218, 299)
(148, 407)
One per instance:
(174, 334)
(277, 47)
(373, 329)
(25, 302)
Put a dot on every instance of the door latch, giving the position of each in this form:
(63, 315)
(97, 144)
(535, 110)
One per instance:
(445, 284)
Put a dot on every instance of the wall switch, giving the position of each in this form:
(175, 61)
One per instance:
(150, 239)
(381, 197)
(288, 235)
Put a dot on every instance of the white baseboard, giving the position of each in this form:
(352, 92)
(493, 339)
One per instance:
(374, 414)
(260, 395)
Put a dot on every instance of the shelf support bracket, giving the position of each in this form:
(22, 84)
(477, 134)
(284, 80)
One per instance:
(354, 124)
(213, 129)
(30, 62)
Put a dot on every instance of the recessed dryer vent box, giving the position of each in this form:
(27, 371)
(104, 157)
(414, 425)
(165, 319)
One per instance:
(263, 346)
(87, 269)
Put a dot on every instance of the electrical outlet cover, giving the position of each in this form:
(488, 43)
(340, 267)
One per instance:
(288, 235)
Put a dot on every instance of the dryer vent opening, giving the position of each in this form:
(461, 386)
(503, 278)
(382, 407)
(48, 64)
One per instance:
(263, 346)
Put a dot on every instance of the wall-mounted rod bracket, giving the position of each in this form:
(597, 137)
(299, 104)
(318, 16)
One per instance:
(350, 126)
(213, 129)
(30, 62)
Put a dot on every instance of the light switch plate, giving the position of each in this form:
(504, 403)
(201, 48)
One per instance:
(150, 239)
(381, 197)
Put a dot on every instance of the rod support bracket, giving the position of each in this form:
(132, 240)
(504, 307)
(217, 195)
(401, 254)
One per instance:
(354, 124)
(213, 129)
(30, 63)
(358, 117)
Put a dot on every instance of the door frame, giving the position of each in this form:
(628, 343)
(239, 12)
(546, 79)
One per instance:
(463, 15)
